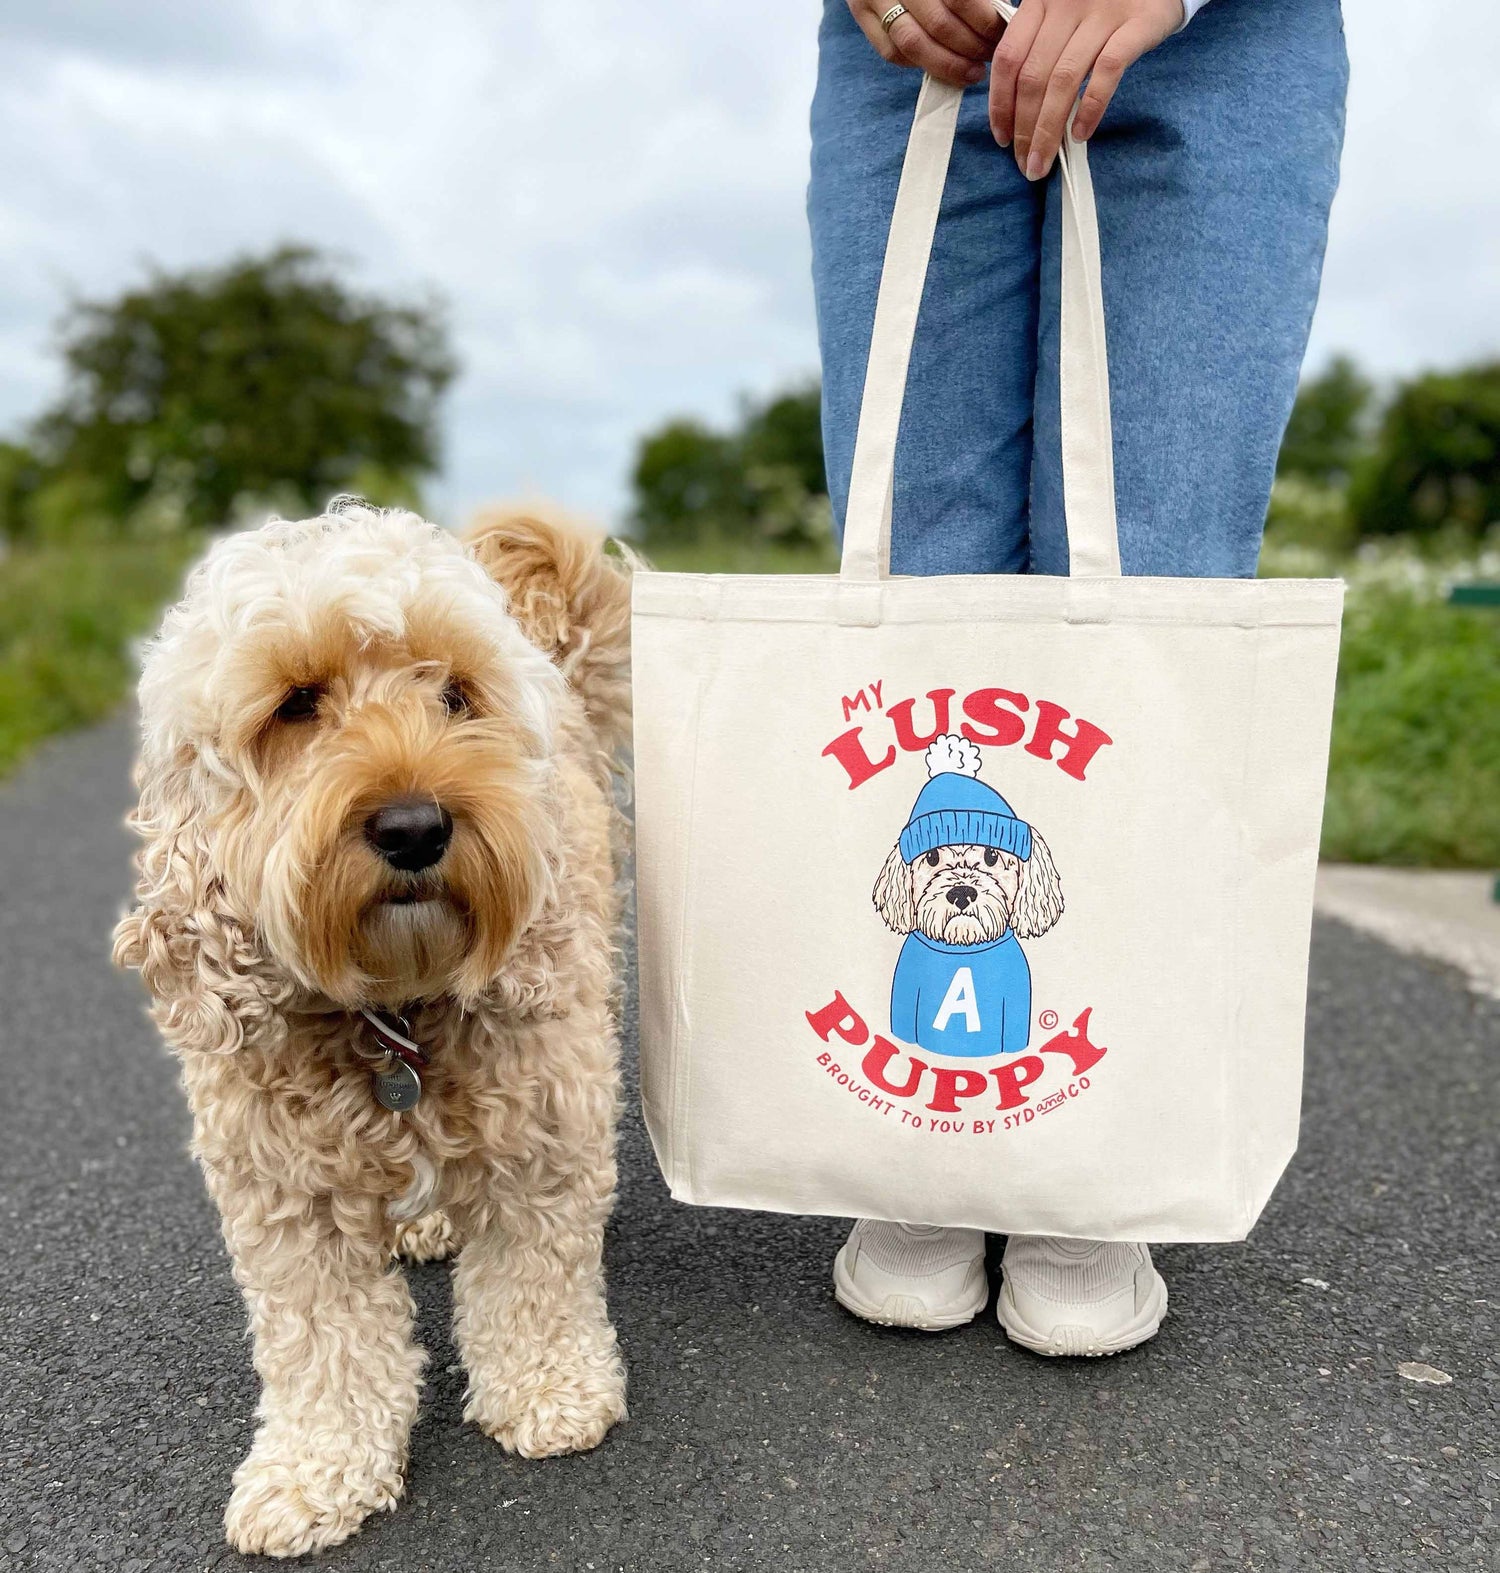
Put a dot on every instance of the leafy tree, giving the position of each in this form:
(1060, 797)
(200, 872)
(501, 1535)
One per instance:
(685, 476)
(20, 476)
(1436, 462)
(787, 431)
(266, 379)
(1327, 432)
(764, 479)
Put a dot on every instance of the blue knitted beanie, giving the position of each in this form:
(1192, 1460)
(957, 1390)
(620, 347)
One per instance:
(957, 809)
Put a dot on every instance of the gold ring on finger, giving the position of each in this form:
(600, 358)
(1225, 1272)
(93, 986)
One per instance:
(891, 15)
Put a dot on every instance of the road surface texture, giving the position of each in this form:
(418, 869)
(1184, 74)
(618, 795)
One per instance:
(1267, 1427)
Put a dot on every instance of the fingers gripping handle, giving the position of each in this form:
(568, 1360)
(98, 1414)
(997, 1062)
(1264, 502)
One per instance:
(1087, 451)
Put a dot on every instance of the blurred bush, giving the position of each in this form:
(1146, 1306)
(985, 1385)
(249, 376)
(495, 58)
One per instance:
(759, 484)
(68, 615)
(208, 395)
(1435, 462)
(1422, 465)
(1308, 513)
(1414, 766)
(1414, 769)
(20, 475)
(201, 399)
(1328, 432)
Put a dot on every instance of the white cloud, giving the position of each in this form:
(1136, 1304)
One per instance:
(1410, 278)
(610, 196)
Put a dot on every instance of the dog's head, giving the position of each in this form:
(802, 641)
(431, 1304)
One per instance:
(957, 891)
(346, 779)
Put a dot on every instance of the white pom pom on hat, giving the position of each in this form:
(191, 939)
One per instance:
(952, 754)
(955, 808)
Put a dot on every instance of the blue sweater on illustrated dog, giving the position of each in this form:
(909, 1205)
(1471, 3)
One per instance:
(962, 999)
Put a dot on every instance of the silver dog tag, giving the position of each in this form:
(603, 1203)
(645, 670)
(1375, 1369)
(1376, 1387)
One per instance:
(397, 1086)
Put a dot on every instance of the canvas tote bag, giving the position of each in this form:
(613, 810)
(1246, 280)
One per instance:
(979, 900)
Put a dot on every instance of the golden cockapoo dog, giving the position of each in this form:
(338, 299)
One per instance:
(375, 772)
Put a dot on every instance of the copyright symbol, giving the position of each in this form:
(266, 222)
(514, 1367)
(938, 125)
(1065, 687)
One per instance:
(1048, 1020)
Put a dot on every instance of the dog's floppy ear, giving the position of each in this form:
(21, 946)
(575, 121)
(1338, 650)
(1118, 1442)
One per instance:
(1039, 901)
(210, 984)
(892, 894)
(572, 602)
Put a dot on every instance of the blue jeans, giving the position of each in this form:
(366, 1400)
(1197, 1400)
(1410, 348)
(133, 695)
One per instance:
(1213, 169)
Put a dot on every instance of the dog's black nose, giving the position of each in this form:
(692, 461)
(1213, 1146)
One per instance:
(410, 834)
(962, 895)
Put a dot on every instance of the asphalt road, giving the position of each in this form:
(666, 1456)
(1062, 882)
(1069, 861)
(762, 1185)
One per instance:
(1267, 1427)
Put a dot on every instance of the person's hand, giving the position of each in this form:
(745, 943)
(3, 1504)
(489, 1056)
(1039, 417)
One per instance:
(952, 39)
(1047, 51)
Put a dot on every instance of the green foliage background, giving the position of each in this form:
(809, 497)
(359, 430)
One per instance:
(1414, 766)
(1435, 461)
(204, 396)
(68, 620)
(1414, 769)
(198, 400)
(760, 483)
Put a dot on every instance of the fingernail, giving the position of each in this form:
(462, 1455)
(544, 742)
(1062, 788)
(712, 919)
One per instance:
(975, 73)
(1002, 139)
(1036, 167)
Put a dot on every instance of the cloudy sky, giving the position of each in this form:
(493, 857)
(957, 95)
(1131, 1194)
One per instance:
(609, 195)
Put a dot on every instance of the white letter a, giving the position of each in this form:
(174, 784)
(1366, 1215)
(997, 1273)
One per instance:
(959, 1001)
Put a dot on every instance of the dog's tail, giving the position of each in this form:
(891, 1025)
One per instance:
(572, 601)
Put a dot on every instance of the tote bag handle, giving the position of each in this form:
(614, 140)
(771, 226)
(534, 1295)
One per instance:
(1087, 453)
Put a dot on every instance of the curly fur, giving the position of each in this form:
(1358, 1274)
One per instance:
(493, 677)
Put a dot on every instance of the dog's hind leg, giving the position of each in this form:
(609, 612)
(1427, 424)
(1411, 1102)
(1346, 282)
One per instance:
(545, 1373)
(429, 1239)
(339, 1373)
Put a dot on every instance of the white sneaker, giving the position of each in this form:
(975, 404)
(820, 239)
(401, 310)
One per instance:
(911, 1275)
(1079, 1297)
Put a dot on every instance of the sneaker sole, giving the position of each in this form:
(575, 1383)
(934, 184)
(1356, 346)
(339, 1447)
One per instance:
(1078, 1342)
(903, 1310)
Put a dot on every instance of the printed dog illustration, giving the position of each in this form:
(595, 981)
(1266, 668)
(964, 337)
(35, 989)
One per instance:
(966, 881)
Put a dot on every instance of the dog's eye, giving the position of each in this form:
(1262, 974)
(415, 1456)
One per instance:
(991, 856)
(300, 705)
(456, 698)
(932, 858)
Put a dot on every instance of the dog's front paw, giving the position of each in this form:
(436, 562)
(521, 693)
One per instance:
(287, 1501)
(563, 1401)
(429, 1239)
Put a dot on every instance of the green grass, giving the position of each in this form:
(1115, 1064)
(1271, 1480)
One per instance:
(745, 556)
(68, 617)
(1414, 771)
